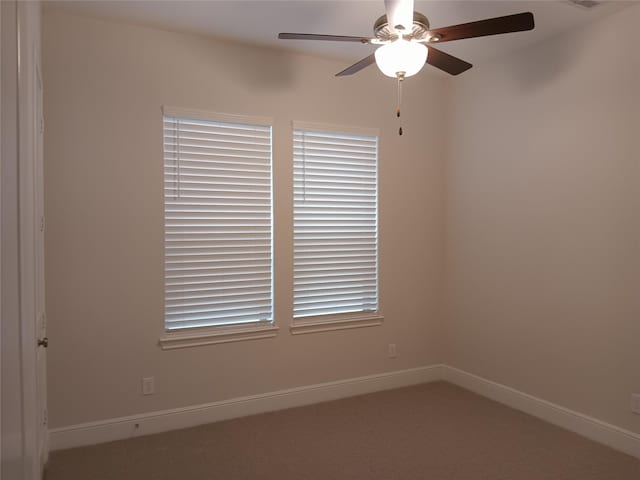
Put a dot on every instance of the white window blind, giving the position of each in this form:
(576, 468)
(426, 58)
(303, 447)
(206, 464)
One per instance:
(335, 223)
(218, 223)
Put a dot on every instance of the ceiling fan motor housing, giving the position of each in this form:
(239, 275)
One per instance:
(419, 29)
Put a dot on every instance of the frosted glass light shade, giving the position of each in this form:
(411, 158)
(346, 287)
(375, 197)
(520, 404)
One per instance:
(401, 56)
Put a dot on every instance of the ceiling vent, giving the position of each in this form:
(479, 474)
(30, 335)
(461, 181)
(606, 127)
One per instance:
(585, 3)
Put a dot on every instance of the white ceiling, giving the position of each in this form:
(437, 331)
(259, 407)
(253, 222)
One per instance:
(260, 21)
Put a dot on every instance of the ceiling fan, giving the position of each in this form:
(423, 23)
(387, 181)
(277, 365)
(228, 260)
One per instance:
(403, 35)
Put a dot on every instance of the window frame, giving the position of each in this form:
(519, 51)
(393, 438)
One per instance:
(337, 321)
(214, 334)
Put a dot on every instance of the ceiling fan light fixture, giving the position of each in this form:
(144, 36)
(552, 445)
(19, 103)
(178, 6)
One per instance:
(401, 57)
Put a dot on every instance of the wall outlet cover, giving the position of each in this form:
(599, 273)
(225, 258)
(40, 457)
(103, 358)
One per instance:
(148, 386)
(635, 403)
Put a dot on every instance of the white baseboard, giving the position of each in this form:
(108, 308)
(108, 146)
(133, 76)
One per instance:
(597, 430)
(161, 421)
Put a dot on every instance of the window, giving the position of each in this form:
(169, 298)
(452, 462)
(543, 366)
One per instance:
(335, 229)
(218, 229)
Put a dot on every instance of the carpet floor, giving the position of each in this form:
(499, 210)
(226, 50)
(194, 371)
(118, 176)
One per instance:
(433, 431)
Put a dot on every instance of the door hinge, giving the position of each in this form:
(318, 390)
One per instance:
(42, 224)
(42, 125)
(45, 417)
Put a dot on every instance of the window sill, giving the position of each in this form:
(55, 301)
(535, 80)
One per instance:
(213, 335)
(319, 324)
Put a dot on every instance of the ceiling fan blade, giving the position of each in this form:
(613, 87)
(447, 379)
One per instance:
(492, 26)
(312, 36)
(356, 67)
(448, 63)
(399, 14)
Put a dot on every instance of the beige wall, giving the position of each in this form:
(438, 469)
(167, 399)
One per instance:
(104, 85)
(542, 232)
(543, 220)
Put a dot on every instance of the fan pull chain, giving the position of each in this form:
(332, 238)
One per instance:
(400, 80)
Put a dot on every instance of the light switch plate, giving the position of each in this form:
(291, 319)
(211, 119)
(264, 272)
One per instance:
(635, 403)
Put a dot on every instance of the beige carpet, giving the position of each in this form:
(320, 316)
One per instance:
(429, 432)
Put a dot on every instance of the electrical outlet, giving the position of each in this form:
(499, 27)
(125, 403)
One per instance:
(148, 386)
(391, 351)
(635, 403)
